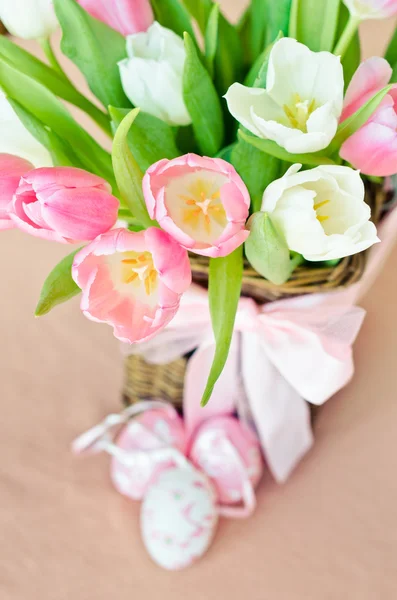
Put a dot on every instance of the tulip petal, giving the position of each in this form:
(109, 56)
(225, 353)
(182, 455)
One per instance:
(371, 76)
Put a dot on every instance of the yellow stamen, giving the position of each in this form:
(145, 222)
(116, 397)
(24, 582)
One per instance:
(322, 218)
(140, 270)
(320, 204)
(203, 203)
(299, 111)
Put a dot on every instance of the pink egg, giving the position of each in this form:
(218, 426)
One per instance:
(178, 517)
(144, 443)
(229, 452)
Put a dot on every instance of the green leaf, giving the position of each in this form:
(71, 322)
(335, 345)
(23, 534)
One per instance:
(352, 56)
(39, 101)
(225, 278)
(61, 152)
(315, 23)
(58, 287)
(211, 38)
(27, 63)
(150, 140)
(275, 150)
(173, 14)
(278, 16)
(357, 120)
(229, 55)
(256, 168)
(267, 251)
(259, 21)
(95, 48)
(202, 102)
(391, 52)
(128, 173)
(258, 74)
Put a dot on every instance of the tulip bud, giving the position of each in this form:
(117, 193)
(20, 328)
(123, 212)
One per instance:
(125, 16)
(371, 9)
(153, 72)
(28, 19)
(11, 170)
(64, 204)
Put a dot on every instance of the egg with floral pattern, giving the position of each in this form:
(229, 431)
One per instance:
(178, 517)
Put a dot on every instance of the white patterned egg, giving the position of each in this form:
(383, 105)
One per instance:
(178, 517)
(141, 441)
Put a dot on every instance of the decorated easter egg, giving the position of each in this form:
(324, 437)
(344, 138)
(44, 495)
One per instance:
(228, 451)
(178, 517)
(143, 446)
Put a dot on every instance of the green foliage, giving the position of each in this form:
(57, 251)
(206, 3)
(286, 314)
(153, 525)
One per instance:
(315, 23)
(277, 151)
(42, 104)
(61, 152)
(95, 48)
(211, 38)
(352, 56)
(150, 139)
(202, 102)
(391, 56)
(58, 287)
(229, 54)
(27, 63)
(267, 251)
(128, 173)
(173, 15)
(224, 289)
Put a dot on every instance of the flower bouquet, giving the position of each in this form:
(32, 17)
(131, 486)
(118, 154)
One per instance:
(226, 235)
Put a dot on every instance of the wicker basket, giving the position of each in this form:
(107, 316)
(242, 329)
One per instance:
(144, 380)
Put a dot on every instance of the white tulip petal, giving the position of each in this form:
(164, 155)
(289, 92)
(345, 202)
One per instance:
(302, 103)
(241, 100)
(321, 212)
(152, 74)
(28, 19)
(16, 139)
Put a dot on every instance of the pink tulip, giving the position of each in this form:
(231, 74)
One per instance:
(373, 148)
(132, 281)
(64, 204)
(125, 16)
(371, 9)
(11, 170)
(202, 202)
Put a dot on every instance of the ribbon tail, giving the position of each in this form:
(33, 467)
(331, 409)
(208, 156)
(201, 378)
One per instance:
(281, 416)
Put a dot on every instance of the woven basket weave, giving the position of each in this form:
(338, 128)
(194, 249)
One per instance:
(144, 380)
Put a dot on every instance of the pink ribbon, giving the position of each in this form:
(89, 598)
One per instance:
(283, 355)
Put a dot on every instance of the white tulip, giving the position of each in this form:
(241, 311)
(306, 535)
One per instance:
(152, 74)
(302, 102)
(28, 19)
(371, 9)
(321, 212)
(16, 139)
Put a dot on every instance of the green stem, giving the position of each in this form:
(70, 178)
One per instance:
(347, 36)
(52, 59)
(293, 20)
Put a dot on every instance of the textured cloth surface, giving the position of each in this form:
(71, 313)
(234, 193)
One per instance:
(328, 534)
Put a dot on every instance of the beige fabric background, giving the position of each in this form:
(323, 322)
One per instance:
(329, 534)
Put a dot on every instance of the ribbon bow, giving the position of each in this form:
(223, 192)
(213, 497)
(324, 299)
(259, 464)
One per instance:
(283, 355)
